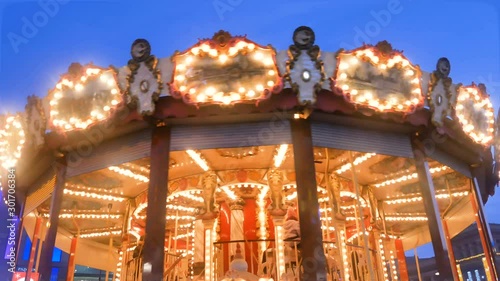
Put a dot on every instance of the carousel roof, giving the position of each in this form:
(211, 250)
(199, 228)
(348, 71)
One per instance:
(221, 79)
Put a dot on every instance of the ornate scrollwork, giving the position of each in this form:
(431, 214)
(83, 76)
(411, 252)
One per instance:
(144, 79)
(305, 72)
(209, 181)
(440, 95)
(275, 181)
(36, 122)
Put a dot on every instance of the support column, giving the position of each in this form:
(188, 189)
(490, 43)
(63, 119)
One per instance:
(249, 230)
(432, 211)
(278, 221)
(156, 211)
(237, 221)
(72, 261)
(313, 255)
(484, 229)
(209, 249)
(45, 268)
(34, 244)
(400, 255)
(451, 253)
(199, 231)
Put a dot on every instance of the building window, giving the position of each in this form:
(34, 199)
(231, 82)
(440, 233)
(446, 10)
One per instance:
(56, 255)
(27, 249)
(54, 275)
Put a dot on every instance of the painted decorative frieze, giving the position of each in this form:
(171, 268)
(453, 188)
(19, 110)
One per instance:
(379, 78)
(225, 70)
(474, 111)
(84, 96)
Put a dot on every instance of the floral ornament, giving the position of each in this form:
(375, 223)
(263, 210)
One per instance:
(144, 82)
(225, 69)
(36, 122)
(474, 112)
(379, 78)
(440, 95)
(304, 68)
(84, 96)
(12, 139)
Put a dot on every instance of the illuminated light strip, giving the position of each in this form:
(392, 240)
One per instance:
(170, 217)
(262, 216)
(409, 177)
(387, 218)
(93, 195)
(119, 266)
(247, 185)
(294, 194)
(412, 218)
(170, 198)
(280, 155)
(473, 93)
(208, 254)
(419, 198)
(346, 167)
(196, 156)
(281, 250)
(92, 189)
(382, 257)
(212, 240)
(181, 208)
(322, 210)
(183, 236)
(187, 194)
(353, 206)
(86, 216)
(129, 173)
(187, 225)
(101, 234)
(345, 259)
(393, 265)
(389, 236)
(356, 235)
(330, 228)
(137, 167)
(12, 132)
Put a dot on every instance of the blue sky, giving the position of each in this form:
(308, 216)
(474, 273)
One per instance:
(101, 31)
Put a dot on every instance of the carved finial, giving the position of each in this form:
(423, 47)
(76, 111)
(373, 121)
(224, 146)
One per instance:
(384, 47)
(221, 38)
(140, 50)
(443, 68)
(304, 37)
(75, 69)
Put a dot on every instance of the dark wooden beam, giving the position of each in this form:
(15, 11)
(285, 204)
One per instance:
(156, 211)
(45, 268)
(433, 214)
(311, 243)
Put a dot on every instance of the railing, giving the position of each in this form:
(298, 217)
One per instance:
(134, 270)
(262, 257)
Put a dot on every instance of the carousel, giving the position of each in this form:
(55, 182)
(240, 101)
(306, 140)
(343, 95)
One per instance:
(234, 161)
